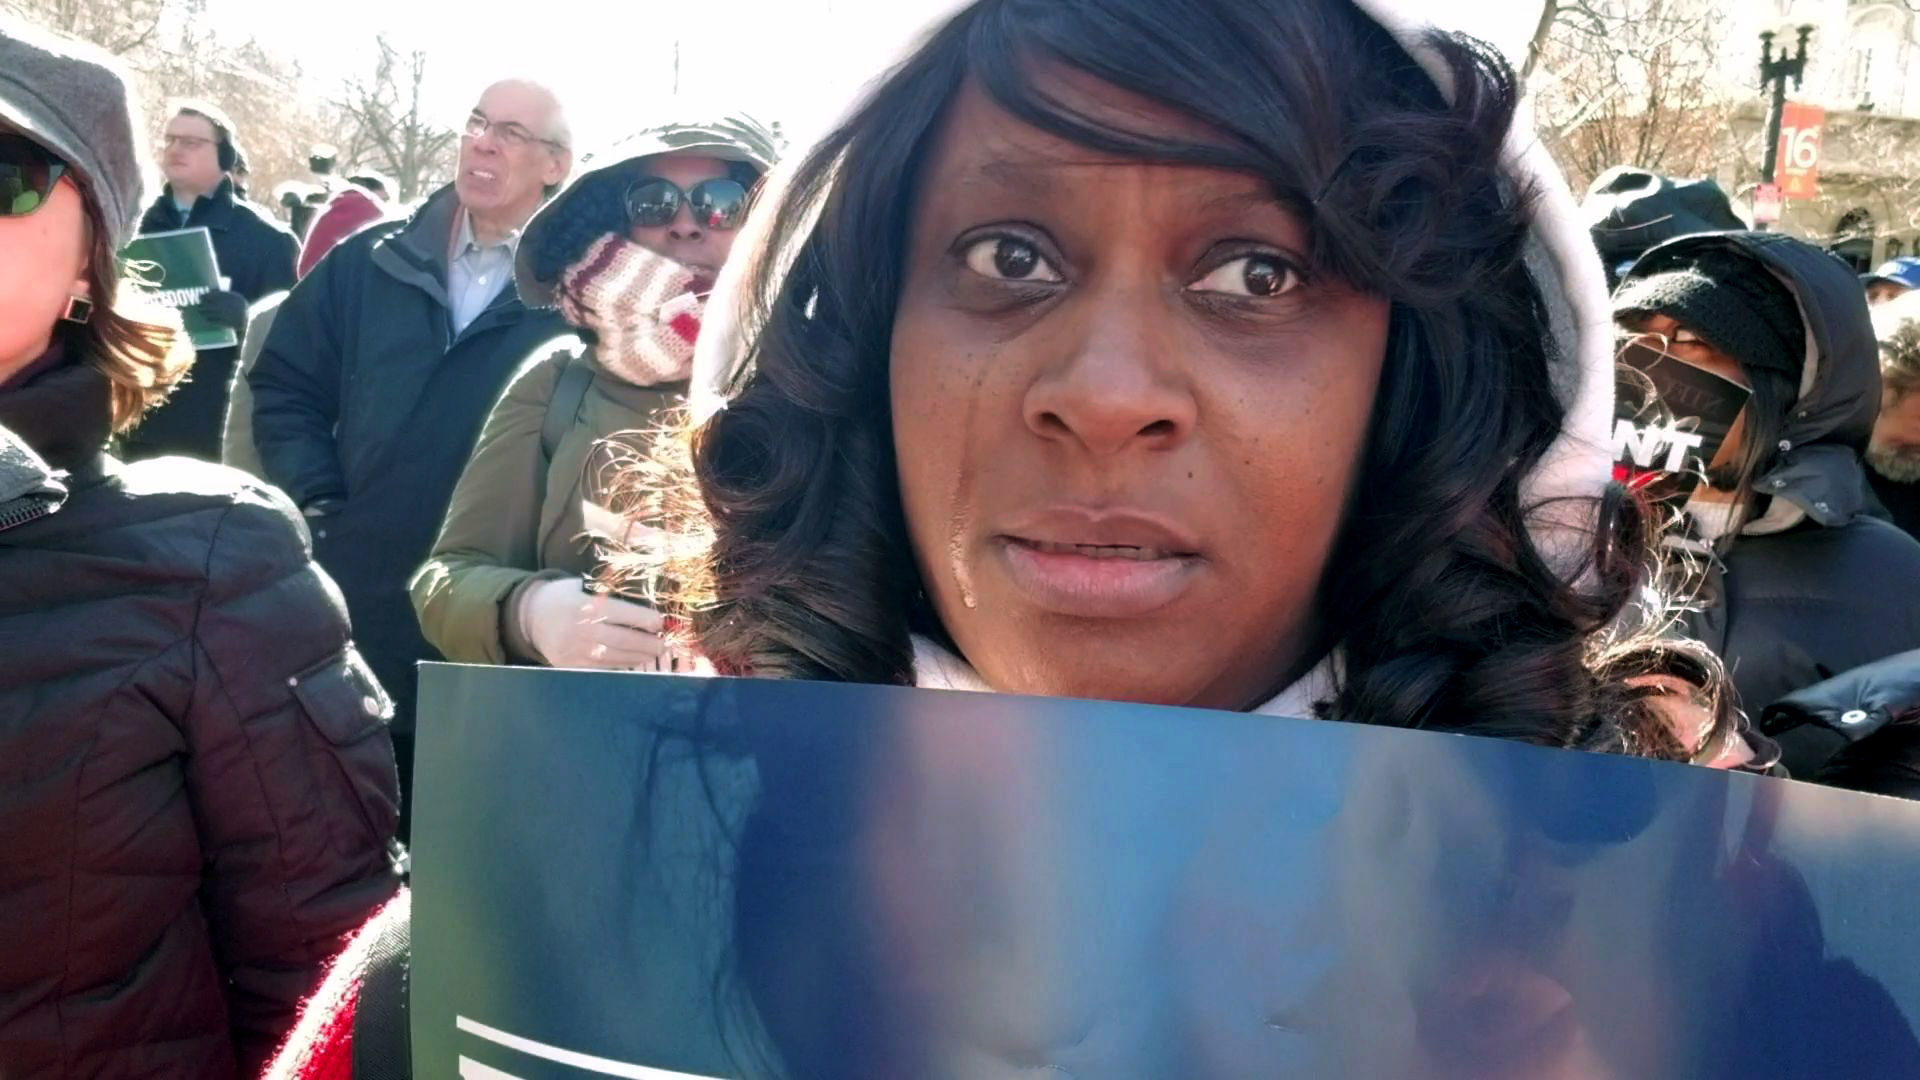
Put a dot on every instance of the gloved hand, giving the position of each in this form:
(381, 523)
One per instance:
(572, 628)
(227, 309)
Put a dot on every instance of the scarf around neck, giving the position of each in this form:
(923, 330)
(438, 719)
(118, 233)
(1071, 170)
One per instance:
(644, 310)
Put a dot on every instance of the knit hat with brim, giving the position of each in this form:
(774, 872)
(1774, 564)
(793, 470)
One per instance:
(735, 137)
(1732, 301)
(71, 99)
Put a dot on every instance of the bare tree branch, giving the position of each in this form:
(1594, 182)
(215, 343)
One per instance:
(1631, 82)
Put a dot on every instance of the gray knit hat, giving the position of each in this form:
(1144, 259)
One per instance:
(70, 98)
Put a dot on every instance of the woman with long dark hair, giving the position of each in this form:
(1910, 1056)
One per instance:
(1244, 355)
(1144, 352)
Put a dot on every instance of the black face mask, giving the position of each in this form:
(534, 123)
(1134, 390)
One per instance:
(1671, 419)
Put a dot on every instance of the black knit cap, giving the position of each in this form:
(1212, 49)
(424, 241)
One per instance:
(1727, 297)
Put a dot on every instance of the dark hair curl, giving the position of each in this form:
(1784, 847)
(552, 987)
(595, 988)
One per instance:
(1447, 613)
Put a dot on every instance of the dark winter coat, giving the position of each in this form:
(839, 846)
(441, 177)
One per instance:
(1815, 586)
(364, 393)
(197, 791)
(1900, 501)
(1859, 730)
(257, 255)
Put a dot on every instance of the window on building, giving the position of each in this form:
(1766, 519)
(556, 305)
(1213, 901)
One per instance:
(1859, 72)
(1853, 239)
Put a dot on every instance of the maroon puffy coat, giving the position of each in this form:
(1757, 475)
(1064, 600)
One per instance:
(196, 784)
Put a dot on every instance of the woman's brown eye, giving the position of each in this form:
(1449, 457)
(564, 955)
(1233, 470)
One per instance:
(1009, 259)
(1250, 275)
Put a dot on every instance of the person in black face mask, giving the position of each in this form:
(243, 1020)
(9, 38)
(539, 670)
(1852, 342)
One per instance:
(1763, 365)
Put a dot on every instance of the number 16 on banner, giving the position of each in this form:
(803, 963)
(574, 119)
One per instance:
(1801, 127)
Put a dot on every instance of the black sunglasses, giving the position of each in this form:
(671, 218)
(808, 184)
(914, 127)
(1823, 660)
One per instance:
(716, 204)
(28, 172)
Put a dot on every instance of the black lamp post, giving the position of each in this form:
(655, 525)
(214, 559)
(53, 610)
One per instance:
(1774, 73)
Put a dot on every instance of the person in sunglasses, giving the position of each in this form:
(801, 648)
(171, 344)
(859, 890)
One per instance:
(628, 254)
(196, 788)
(384, 361)
(1761, 348)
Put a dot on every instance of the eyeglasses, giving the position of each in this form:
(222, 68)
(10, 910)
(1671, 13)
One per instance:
(513, 134)
(191, 142)
(716, 204)
(28, 172)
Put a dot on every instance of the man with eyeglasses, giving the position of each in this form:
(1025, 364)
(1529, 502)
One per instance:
(382, 366)
(256, 255)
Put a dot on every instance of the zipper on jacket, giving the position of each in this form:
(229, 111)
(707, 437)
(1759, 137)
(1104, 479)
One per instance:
(35, 507)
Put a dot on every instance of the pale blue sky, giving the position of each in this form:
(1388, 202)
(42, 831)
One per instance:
(795, 60)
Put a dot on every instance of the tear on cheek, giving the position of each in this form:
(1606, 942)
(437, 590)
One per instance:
(961, 527)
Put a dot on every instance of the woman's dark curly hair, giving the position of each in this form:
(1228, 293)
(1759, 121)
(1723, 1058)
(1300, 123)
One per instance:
(1447, 612)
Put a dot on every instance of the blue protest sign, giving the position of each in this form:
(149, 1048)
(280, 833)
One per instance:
(663, 877)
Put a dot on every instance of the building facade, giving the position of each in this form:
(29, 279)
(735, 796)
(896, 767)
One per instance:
(1864, 69)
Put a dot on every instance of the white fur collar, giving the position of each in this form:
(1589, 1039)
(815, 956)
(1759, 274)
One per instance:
(934, 668)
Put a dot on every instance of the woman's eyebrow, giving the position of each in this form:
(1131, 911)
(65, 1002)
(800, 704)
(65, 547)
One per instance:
(1016, 175)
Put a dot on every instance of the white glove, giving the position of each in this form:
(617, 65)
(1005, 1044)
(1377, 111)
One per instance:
(572, 628)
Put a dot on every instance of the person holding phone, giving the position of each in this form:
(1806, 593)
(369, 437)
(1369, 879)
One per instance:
(1766, 353)
(627, 253)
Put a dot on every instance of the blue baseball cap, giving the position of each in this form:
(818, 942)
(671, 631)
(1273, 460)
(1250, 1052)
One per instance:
(1902, 271)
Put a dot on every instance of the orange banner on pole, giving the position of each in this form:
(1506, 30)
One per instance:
(1798, 171)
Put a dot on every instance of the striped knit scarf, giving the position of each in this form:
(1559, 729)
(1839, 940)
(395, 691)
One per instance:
(642, 307)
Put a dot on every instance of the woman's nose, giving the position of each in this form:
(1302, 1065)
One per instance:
(684, 225)
(1113, 382)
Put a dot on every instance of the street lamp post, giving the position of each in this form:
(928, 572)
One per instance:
(1774, 73)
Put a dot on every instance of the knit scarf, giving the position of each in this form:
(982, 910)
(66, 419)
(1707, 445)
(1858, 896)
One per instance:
(642, 307)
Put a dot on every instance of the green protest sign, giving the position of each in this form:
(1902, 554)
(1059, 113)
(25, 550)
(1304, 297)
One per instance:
(182, 269)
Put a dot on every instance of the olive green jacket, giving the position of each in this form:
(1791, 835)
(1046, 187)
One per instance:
(517, 516)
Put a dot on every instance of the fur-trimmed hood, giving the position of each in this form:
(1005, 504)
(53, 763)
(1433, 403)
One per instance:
(1559, 254)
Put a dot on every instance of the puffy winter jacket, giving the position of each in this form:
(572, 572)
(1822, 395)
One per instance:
(196, 785)
(1814, 586)
(1859, 730)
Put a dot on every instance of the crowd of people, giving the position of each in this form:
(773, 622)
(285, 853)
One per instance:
(1059, 367)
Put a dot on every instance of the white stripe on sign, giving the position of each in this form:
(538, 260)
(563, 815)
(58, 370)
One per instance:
(473, 1070)
(603, 1066)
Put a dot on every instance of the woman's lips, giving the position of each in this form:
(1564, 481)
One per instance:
(1096, 581)
(1501, 1018)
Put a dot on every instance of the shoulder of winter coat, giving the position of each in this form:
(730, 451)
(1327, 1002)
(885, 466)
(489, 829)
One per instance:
(261, 221)
(1865, 562)
(543, 365)
(185, 492)
(352, 255)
